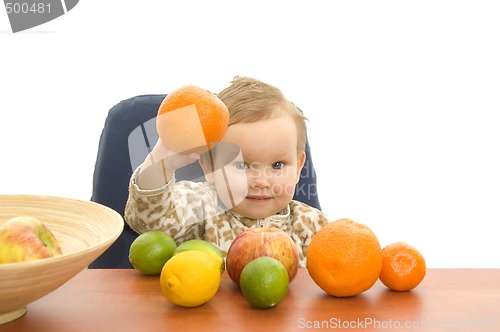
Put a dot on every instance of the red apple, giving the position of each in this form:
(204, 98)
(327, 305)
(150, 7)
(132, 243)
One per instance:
(258, 242)
(26, 239)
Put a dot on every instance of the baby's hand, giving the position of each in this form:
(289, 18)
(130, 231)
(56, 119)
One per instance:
(160, 165)
(172, 160)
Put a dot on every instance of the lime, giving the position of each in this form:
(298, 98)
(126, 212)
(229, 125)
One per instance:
(150, 251)
(190, 278)
(264, 282)
(205, 246)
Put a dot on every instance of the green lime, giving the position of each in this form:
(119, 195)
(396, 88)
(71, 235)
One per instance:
(205, 246)
(150, 251)
(264, 282)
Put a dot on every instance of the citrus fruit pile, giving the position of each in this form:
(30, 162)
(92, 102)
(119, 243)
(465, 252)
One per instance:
(190, 274)
(345, 258)
(206, 247)
(191, 119)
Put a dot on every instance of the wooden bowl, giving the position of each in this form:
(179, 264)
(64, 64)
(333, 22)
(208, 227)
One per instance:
(84, 230)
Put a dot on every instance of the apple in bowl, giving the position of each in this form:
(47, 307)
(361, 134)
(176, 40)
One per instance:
(257, 242)
(26, 238)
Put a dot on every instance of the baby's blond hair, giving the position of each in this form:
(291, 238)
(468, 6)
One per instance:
(250, 100)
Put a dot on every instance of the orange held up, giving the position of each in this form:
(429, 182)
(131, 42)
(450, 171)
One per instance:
(191, 119)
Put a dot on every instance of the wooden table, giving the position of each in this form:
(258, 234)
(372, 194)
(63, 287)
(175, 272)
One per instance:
(124, 300)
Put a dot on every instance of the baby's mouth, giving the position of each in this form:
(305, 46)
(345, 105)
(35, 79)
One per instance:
(258, 197)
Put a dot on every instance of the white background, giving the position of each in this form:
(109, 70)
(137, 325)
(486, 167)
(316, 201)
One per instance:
(403, 100)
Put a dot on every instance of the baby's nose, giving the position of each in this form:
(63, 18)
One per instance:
(258, 179)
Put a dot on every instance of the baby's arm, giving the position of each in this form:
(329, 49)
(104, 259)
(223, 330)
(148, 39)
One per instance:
(156, 202)
(176, 208)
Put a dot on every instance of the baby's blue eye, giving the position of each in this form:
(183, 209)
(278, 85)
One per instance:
(240, 165)
(278, 165)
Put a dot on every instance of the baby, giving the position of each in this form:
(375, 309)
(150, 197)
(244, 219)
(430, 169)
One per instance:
(250, 176)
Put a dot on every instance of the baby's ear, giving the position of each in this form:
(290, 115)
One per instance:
(207, 167)
(301, 160)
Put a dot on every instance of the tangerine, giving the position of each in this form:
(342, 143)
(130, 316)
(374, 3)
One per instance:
(403, 267)
(344, 258)
(191, 119)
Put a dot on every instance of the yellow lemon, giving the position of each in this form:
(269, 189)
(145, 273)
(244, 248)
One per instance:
(205, 246)
(190, 278)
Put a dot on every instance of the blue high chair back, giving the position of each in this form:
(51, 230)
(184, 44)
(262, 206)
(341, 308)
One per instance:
(127, 137)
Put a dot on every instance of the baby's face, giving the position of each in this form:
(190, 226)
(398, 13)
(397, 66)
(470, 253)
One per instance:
(260, 180)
